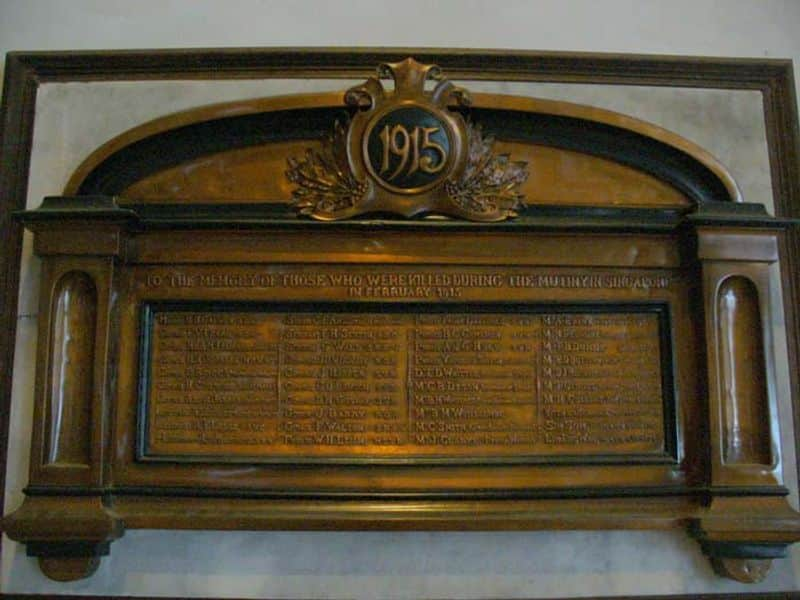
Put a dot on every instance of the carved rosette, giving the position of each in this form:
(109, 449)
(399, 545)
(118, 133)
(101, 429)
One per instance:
(405, 152)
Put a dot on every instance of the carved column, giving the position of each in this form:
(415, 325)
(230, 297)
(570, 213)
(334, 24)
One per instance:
(748, 521)
(64, 520)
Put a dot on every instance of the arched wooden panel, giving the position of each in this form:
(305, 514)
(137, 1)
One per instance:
(236, 153)
(746, 436)
(70, 381)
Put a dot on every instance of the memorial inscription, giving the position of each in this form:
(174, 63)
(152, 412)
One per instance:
(603, 360)
(272, 383)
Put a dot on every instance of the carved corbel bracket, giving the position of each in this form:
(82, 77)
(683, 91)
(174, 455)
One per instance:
(741, 536)
(67, 534)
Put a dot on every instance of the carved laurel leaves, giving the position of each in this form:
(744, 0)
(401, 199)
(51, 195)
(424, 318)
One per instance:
(324, 180)
(489, 183)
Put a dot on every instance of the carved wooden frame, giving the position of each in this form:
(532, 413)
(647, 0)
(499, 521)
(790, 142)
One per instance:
(24, 72)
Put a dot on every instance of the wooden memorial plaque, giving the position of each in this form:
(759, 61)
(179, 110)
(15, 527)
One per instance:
(342, 313)
(432, 385)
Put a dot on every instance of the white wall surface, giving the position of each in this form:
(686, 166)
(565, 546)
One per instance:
(470, 565)
(705, 27)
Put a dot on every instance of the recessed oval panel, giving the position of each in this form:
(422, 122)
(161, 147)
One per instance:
(70, 381)
(746, 437)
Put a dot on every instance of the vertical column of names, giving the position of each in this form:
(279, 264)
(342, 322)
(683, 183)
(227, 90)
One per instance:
(473, 380)
(601, 382)
(213, 380)
(342, 380)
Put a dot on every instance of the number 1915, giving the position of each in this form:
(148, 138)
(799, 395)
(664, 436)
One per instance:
(397, 141)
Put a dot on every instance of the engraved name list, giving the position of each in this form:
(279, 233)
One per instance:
(303, 385)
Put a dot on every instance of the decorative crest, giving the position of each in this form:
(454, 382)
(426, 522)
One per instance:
(405, 152)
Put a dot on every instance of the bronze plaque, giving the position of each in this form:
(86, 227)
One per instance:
(349, 383)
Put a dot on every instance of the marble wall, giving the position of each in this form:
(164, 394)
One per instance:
(72, 119)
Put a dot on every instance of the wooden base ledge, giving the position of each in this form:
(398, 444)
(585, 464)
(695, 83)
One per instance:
(69, 535)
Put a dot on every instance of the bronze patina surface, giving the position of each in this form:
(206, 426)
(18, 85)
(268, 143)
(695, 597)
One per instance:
(405, 152)
(601, 358)
(447, 384)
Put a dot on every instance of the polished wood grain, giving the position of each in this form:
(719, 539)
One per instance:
(745, 435)
(70, 386)
(255, 175)
(76, 388)
(333, 272)
(743, 406)
(772, 77)
(243, 162)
